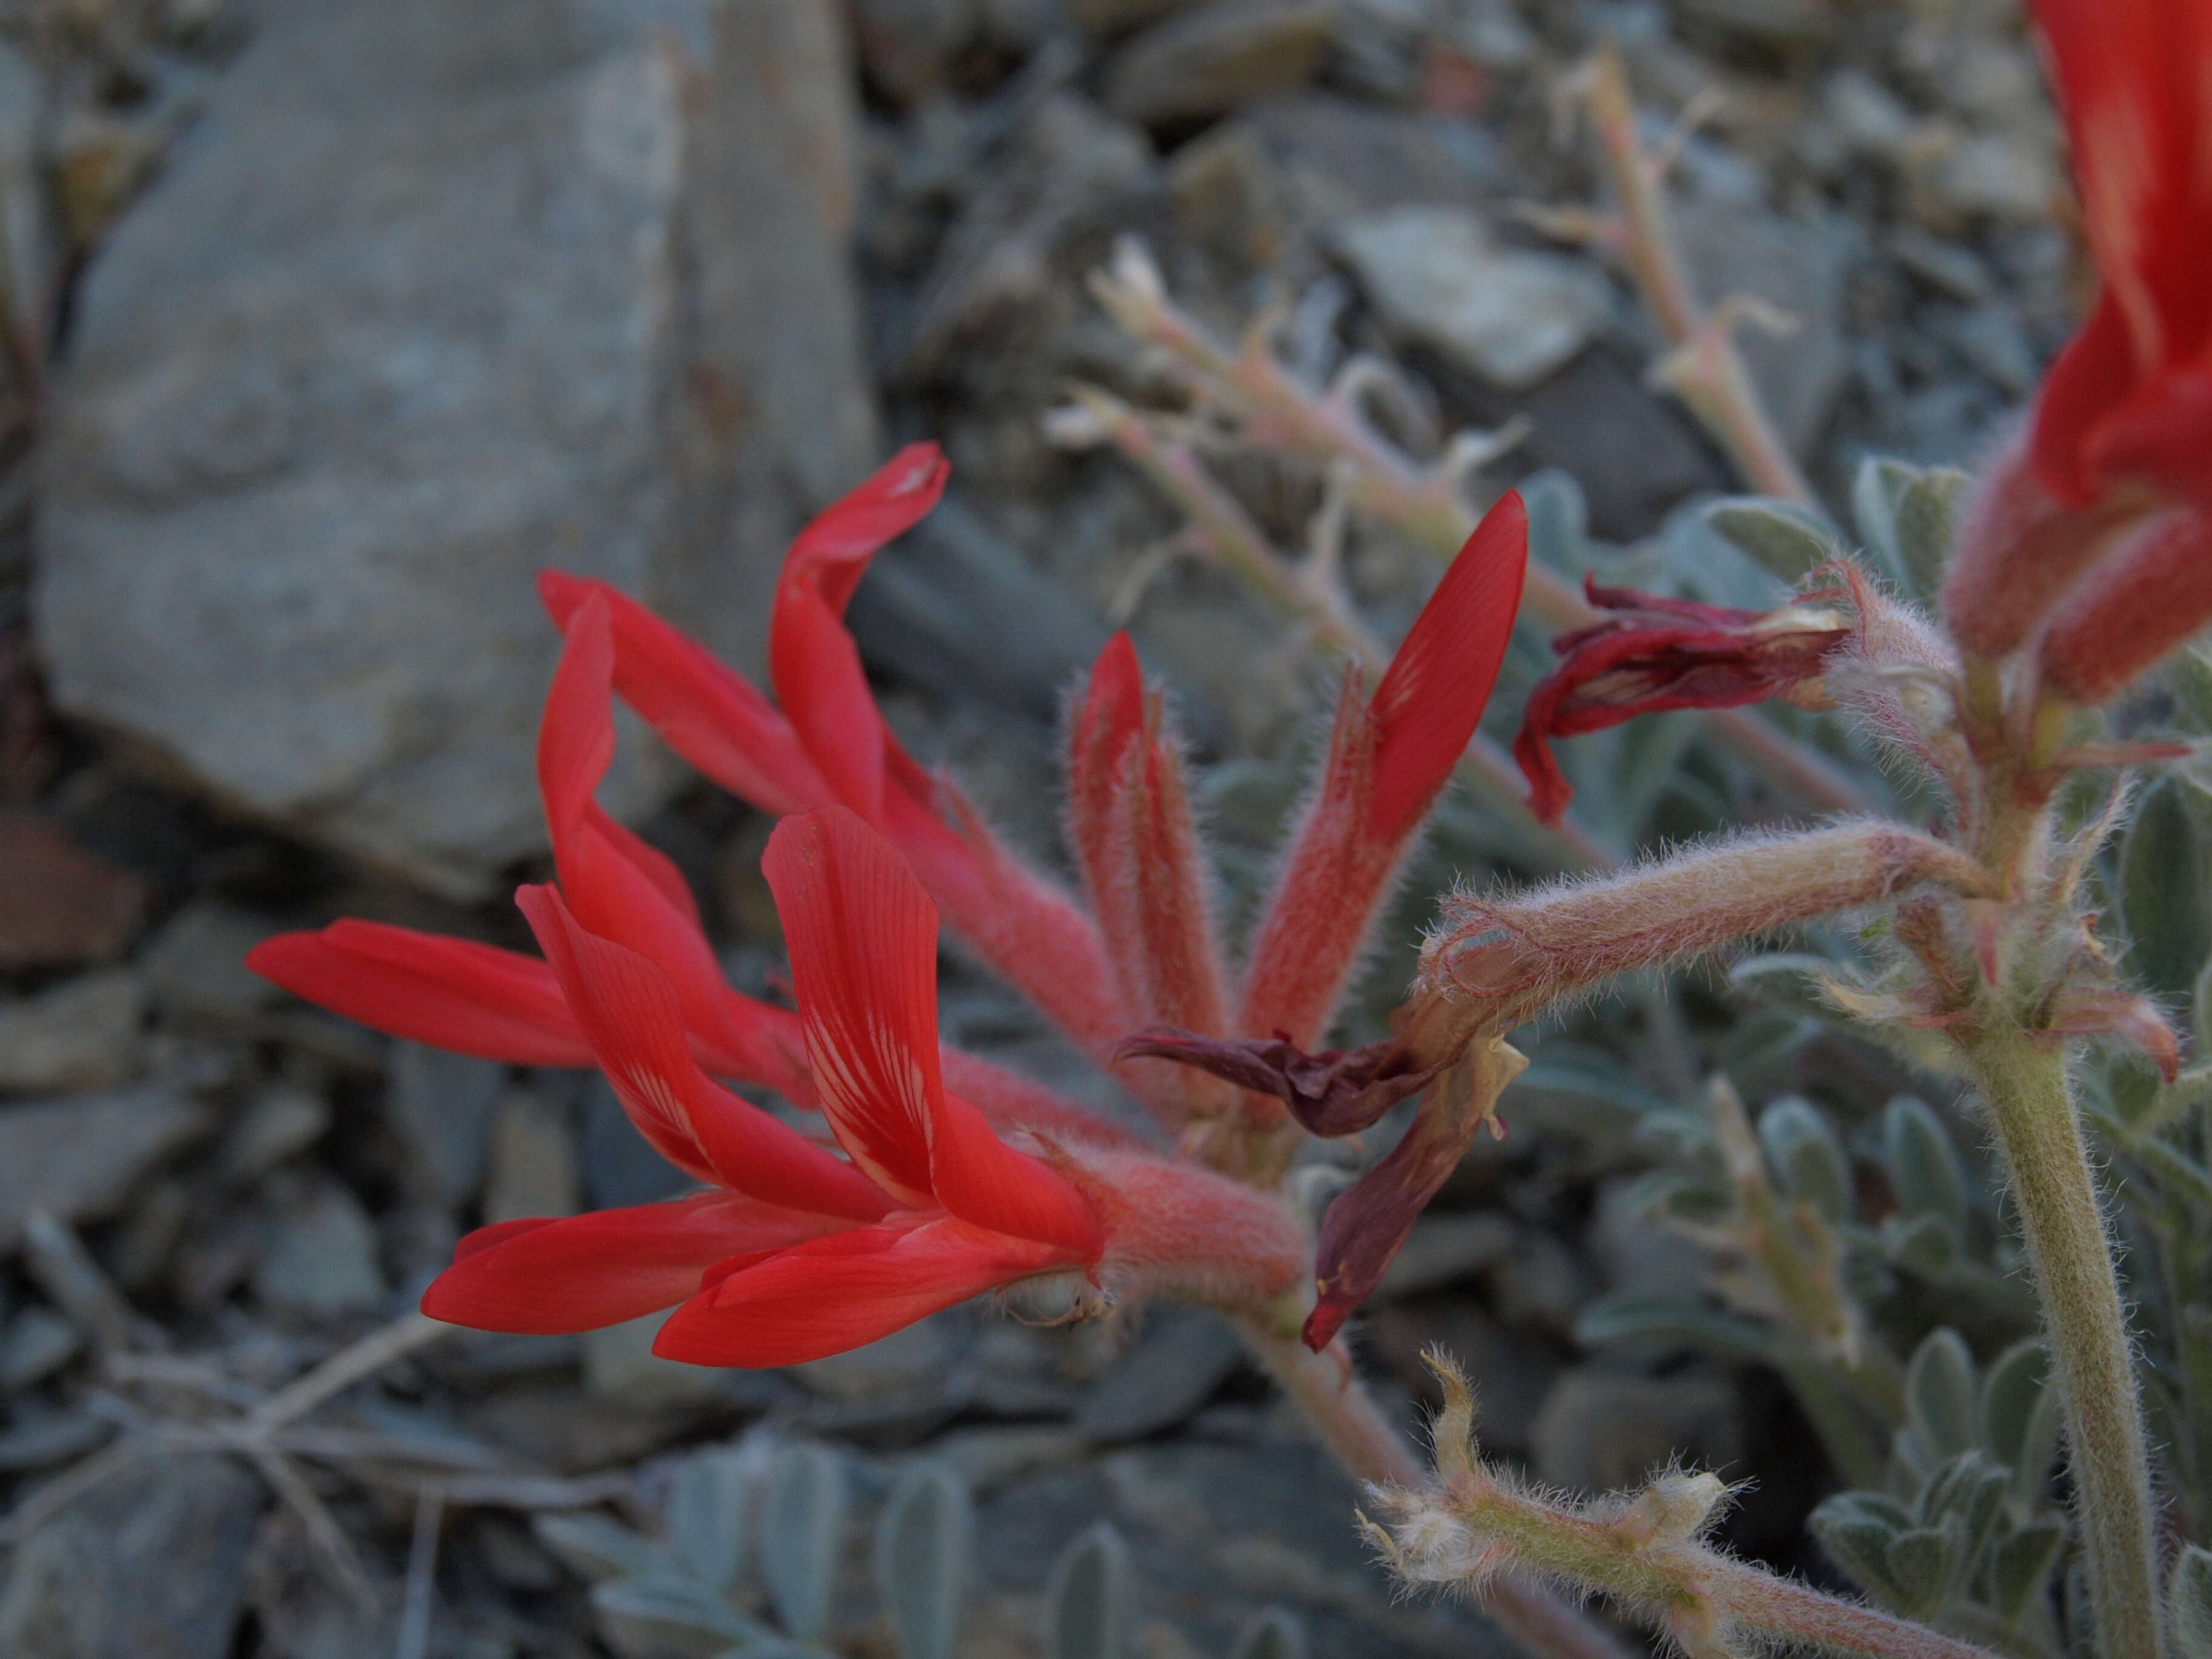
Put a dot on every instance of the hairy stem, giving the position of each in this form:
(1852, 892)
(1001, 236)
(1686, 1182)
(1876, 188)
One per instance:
(2023, 1082)
(1343, 1414)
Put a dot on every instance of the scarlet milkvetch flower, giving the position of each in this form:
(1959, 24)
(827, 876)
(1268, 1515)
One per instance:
(2122, 427)
(1651, 654)
(623, 946)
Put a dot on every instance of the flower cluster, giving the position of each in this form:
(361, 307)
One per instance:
(938, 1175)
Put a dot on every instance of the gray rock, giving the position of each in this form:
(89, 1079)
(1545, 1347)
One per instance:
(1798, 270)
(620, 1368)
(78, 1158)
(1259, 185)
(1216, 57)
(148, 1565)
(956, 610)
(280, 1121)
(196, 964)
(42, 1439)
(619, 1165)
(1605, 1431)
(28, 249)
(38, 1342)
(531, 1167)
(1513, 316)
(433, 296)
(1182, 1357)
(318, 1257)
(82, 1034)
(1068, 166)
(441, 1104)
(1444, 1248)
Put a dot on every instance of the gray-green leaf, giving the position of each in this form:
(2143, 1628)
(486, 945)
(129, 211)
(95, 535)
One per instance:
(922, 1545)
(1806, 1157)
(594, 1548)
(707, 1506)
(1940, 1395)
(803, 1535)
(1923, 1169)
(663, 1614)
(1086, 1604)
(1787, 540)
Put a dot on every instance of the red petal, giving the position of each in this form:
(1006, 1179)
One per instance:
(705, 711)
(2091, 376)
(1146, 871)
(846, 1291)
(1386, 764)
(1426, 709)
(626, 1005)
(862, 936)
(447, 993)
(1108, 721)
(2144, 598)
(580, 1272)
(812, 661)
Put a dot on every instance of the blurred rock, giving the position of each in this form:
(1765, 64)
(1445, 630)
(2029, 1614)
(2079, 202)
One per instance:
(38, 1342)
(279, 1122)
(619, 1166)
(956, 610)
(1444, 1248)
(1179, 1362)
(196, 964)
(531, 1166)
(1512, 316)
(1257, 186)
(59, 904)
(42, 1438)
(433, 296)
(1637, 1254)
(1798, 270)
(1512, 1370)
(917, 1357)
(146, 1566)
(1216, 57)
(1635, 453)
(1070, 165)
(620, 1368)
(29, 254)
(318, 1256)
(82, 1034)
(1111, 17)
(79, 1157)
(1602, 1431)
(1985, 175)
(441, 1105)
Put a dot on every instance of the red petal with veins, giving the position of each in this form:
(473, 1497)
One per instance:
(447, 993)
(837, 1293)
(862, 935)
(581, 1273)
(629, 1011)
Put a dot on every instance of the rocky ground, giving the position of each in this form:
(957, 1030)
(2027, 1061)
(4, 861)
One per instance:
(328, 325)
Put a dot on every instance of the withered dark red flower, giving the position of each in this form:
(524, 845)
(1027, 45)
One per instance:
(1654, 653)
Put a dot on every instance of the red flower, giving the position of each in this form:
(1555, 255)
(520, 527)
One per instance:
(1654, 653)
(825, 740)
(2130, 398)
(949, 1175)
(2122, 428)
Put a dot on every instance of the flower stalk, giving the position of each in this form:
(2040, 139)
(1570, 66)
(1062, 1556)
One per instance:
(2070, 1248)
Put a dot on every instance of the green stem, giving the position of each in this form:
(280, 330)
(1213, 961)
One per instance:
(2037, 1126)
(1342, 1413)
